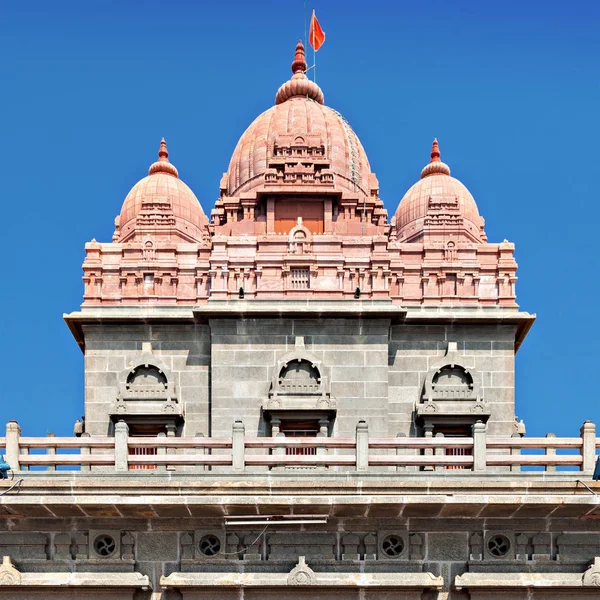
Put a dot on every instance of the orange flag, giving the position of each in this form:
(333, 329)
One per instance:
(316, 36)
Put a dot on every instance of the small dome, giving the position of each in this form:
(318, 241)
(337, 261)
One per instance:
(161, 204)
(299, 117)
(438, 204)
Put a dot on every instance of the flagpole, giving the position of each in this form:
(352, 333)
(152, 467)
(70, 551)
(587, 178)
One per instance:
(305, 36)
(314, 51)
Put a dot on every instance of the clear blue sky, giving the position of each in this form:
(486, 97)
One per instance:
(511, 89)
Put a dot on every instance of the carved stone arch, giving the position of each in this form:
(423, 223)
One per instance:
(299, 239)
(148, 248)
(147, 379)
(452, 388)
(300, 380)
(451, 381)
(452, 378)
(304, 362)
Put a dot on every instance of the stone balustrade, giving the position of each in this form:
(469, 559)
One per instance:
(479, 453)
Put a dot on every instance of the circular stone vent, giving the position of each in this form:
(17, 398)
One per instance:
(393, 546)
(105, 545)
(498, 546)
(210, 545)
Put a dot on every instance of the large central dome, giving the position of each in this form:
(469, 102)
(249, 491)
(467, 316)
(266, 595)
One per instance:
(299, 118)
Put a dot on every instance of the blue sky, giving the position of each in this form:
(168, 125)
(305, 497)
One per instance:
(511, 89)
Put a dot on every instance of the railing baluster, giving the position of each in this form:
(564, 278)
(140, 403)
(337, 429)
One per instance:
(479, 447)
(515, 451)
(51, 451)
(588, 448)
(550, 453)
(362, 446)
(400, 451)
(85, 451)
(237, 446)
(440, 451)
(13, 433)
(121, 447)
(161, 451)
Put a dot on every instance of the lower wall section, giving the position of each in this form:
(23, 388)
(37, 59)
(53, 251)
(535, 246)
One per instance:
(303, 582)
(352, 558)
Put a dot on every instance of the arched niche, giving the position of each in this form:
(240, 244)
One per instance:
(452, 389)
(299, 240)
(147, 379)
(146, 388)
(450, 382)
(299, 382)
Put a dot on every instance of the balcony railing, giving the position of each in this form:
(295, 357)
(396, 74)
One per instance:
(238, 453)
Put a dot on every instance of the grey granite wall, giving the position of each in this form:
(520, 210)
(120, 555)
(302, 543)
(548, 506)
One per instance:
(443, 547)
(354, 353)
(111, 349)
(490, 349)
(223, 370)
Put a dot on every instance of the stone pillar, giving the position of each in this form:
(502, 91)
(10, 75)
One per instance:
(515, 452)
(13, 433)
(161, 451)
(85, 451)
(323, 433)
(400, 452)
(362, 446)
(479, 447)
(550, 452)
(428, 433)
(121, 447)
(237, 446)
(440, 452)
(202, 450)
(588, 449)
(51, 451)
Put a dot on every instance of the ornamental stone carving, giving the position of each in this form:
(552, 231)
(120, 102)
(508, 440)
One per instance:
(147, 379)
(8, 573)
(452, 388)
(592, 576)
(146, 388)
(299, 383)
(302, 574)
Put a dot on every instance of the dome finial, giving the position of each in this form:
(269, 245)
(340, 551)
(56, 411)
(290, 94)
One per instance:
(162, 165)
(299, 85)
(299, 65)
(163, 153)
(435, 166)
(435, 151)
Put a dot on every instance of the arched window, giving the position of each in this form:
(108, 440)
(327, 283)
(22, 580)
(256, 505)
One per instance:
(147, 380)
(299, 377)
(452, 382)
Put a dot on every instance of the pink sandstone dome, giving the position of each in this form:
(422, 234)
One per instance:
(163, 190)
(437, 185)
(299, 111)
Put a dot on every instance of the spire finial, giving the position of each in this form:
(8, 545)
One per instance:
(435, 151)
(299, 65)
(163, 153)
(162, 165)
(299, 85)
(435, 166)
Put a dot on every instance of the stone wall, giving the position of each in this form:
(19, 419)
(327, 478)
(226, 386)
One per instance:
(353, 353)
(223, 370)
(112, 349)
(414, 349)
(443, 547)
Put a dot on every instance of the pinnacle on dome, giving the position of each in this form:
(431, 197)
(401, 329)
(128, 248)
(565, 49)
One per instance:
(299, 65)
(435, 166)
(162, 165)
(299, 85)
